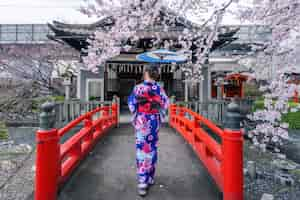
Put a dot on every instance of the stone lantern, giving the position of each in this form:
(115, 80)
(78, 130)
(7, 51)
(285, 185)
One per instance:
(67, 82)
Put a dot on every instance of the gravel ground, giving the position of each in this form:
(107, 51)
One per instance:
(266, 182)
(16, 171)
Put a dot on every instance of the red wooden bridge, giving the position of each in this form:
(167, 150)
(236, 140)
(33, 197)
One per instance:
(97, 162)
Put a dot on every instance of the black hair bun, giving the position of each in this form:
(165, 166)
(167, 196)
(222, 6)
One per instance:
(153, 71)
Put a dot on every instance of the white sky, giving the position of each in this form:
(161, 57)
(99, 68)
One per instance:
(43, 11)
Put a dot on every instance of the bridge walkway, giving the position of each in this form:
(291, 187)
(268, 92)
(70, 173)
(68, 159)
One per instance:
(108, 173)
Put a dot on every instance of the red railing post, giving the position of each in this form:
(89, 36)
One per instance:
(172, 113)
(47, 156)
(105, 116)
(196, 128)
(88, 123)
(115, 110)
(232, 147)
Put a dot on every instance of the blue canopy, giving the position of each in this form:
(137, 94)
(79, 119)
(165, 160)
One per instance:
(162, 56)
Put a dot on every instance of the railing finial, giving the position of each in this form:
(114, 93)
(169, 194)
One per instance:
(116, 102)
(233, 116)
(172, 99)
(47, 116)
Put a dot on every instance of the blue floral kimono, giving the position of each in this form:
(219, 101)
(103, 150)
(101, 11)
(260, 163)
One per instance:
(148, 103)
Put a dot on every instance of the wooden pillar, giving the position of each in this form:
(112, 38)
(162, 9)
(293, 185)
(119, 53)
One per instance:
(204, 85)
(242, 89)
(186, 91)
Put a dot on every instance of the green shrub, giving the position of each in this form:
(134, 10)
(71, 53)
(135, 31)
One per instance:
(258, 105)
(3, 131)
(292, 118)
(92, 98)
(37, 102)
(58, 98)
(293, 104)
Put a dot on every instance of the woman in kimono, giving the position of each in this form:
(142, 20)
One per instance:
(148, 103)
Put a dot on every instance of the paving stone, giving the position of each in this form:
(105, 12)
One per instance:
(267, 197)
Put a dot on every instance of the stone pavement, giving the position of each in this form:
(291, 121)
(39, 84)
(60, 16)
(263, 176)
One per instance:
(108, 173)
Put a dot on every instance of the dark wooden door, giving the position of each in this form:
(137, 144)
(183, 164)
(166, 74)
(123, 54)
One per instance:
(125, 88)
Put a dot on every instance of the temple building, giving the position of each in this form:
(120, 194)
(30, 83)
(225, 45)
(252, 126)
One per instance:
(121, 73)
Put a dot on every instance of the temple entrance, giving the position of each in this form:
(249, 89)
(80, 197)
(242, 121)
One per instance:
(121, 77)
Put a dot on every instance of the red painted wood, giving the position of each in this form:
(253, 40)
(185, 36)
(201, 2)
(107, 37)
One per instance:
(55, 162)
(47, 165)
(224, 161)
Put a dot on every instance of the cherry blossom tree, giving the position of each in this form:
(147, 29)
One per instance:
(26, 66)
(33, 64)
(279, 56)
(281, 16)
(130, 17)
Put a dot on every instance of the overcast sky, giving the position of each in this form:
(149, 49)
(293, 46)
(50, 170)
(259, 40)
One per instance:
(43, 11)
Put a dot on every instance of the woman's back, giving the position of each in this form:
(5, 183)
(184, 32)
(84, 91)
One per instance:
(148, 98)
(148, 103)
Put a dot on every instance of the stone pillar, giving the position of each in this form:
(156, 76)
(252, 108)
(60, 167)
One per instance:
(67, 92)
(204, 90)
(219, 92)
(186, 91)
(78, 95)
(67, 83)
(219, 83)
(205, 85)
(209, 86)
(200, 90)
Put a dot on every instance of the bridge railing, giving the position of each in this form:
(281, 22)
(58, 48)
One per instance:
(215, 110)
(55, 161)
(212, 110)
(224, 158)
(67, 111)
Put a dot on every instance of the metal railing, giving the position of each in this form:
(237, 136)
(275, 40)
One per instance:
(66, 111)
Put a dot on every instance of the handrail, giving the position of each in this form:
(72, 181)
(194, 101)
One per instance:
(214, 110)
(70, 110)
(55, 161)
(71, 125)
(224, 160)
(202, 119)
(80, 119)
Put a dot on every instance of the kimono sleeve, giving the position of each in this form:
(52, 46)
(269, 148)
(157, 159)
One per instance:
(132, 101)
(164, 102)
